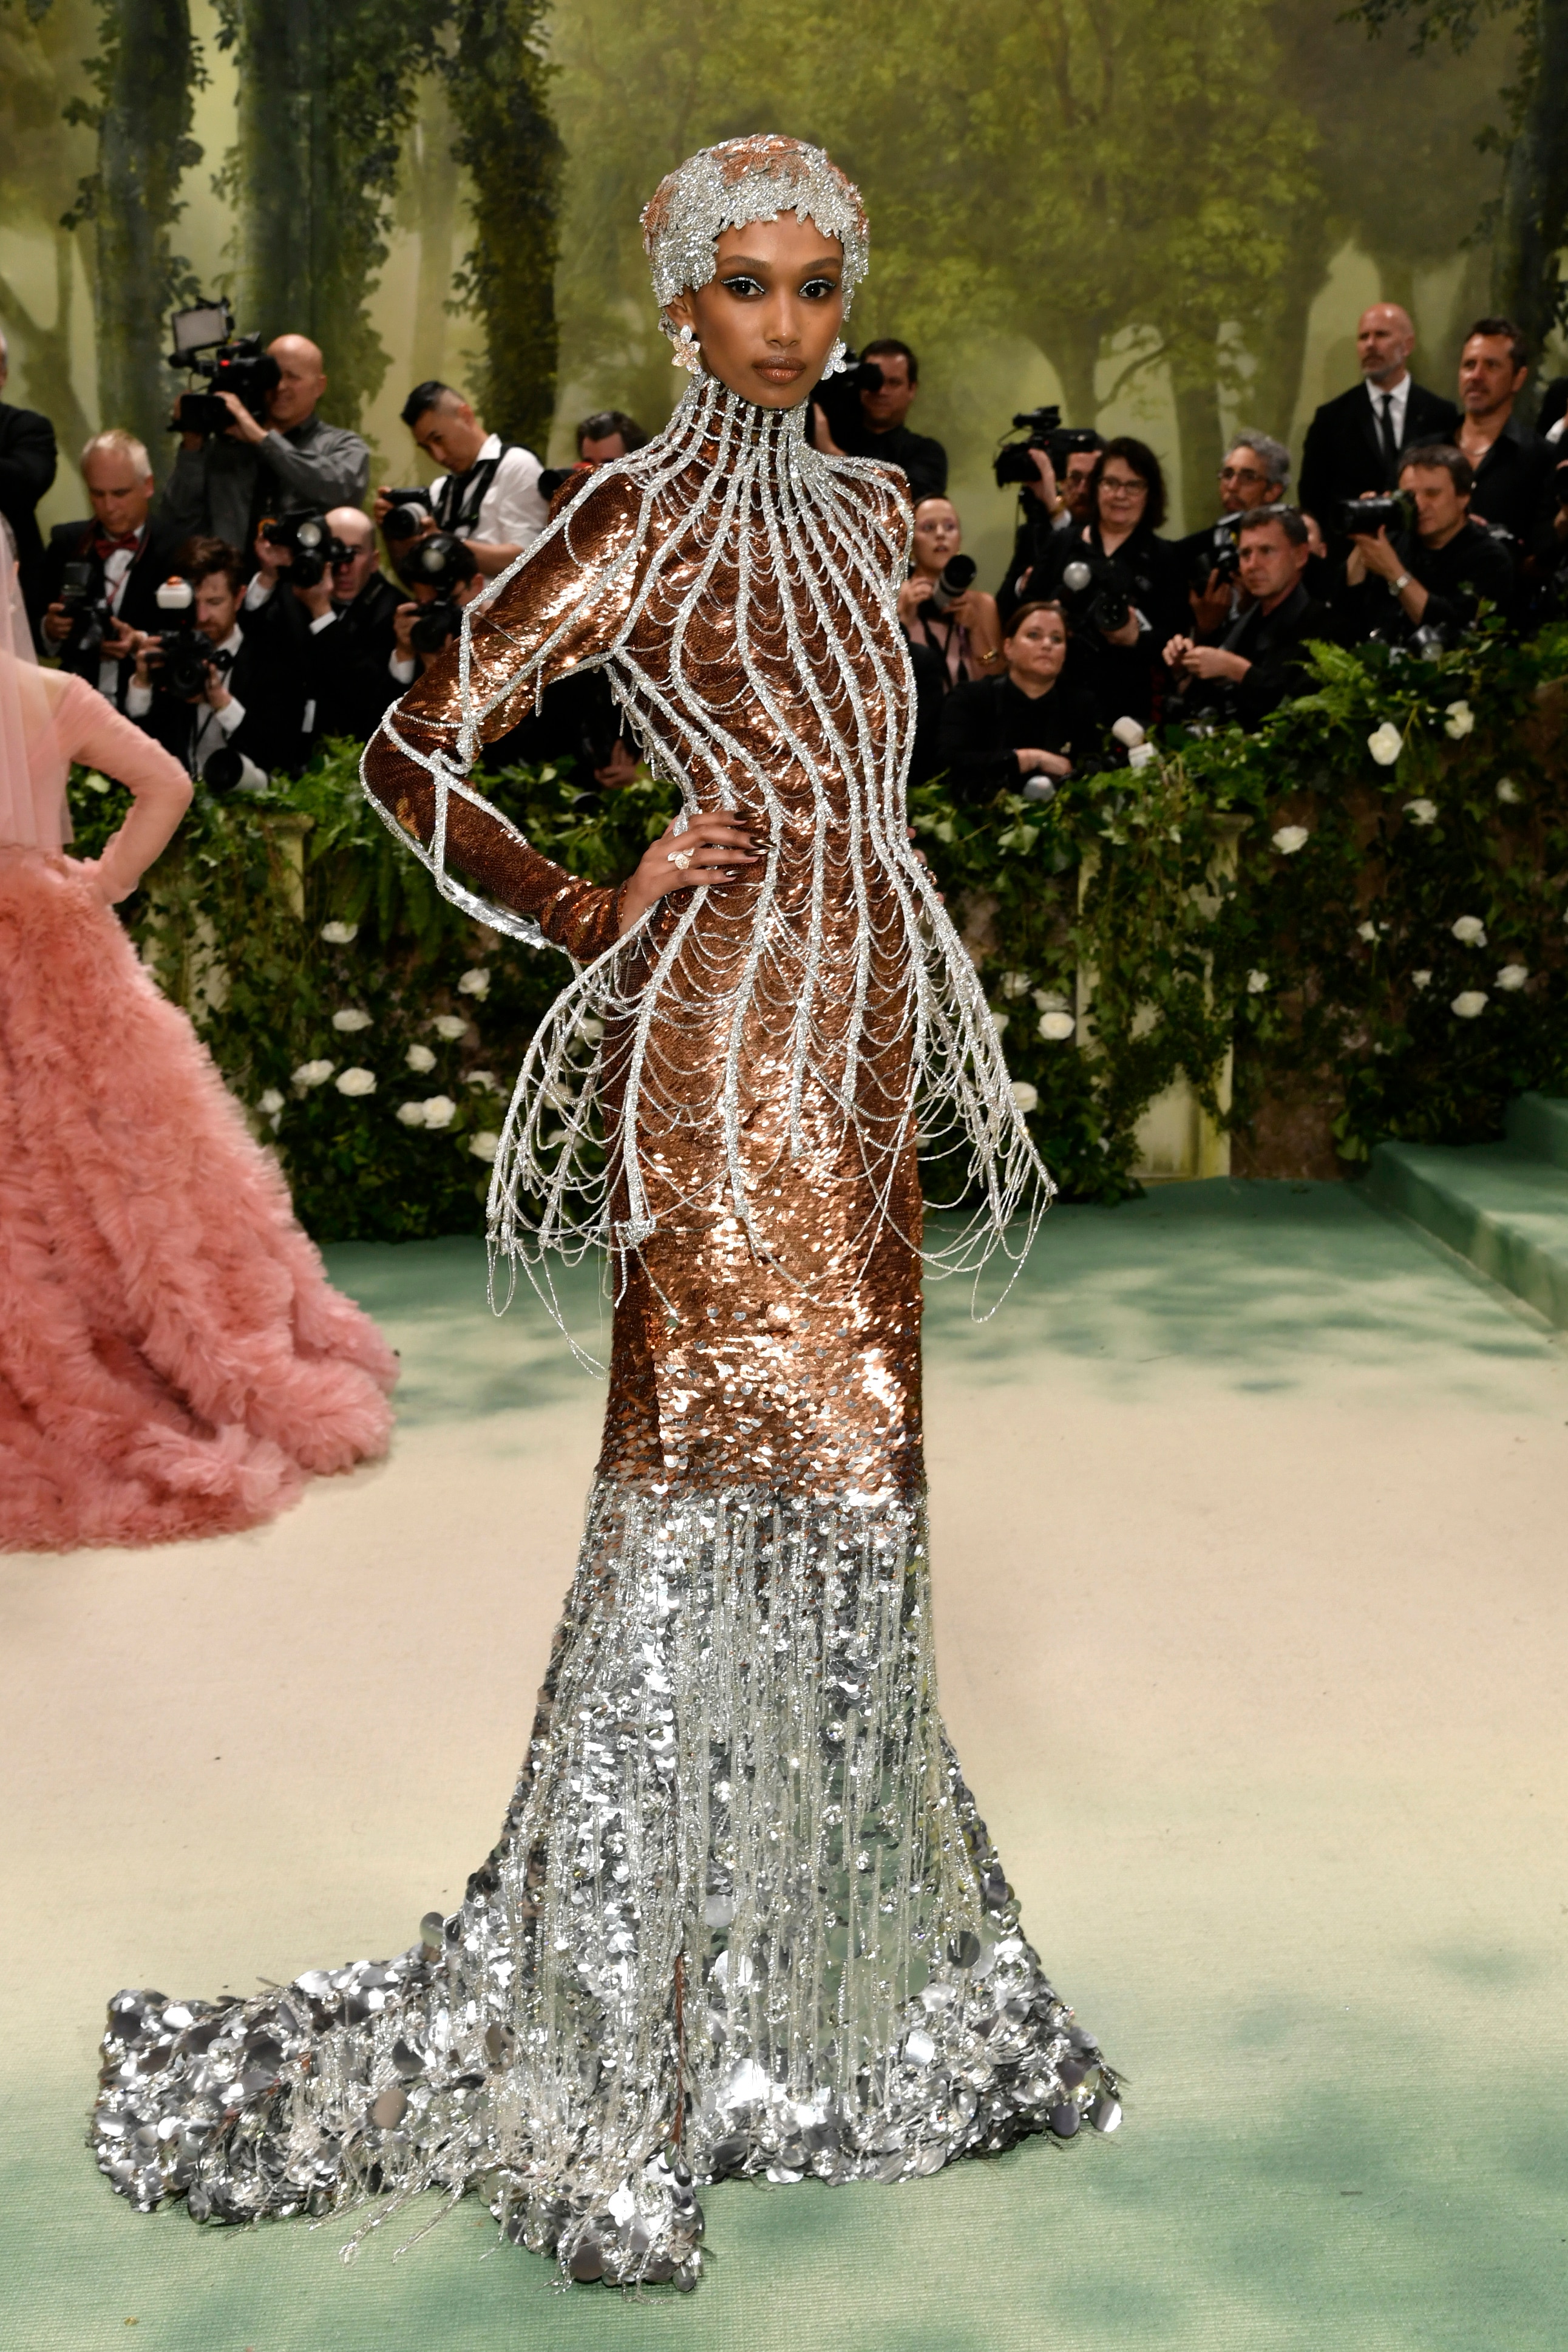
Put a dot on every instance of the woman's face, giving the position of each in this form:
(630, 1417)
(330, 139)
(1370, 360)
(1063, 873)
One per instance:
(770, 314)
(1037, 648)
(1123, 495)
(938, 535)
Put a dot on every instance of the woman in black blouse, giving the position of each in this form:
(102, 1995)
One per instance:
(1126, 558)
(1027, 730)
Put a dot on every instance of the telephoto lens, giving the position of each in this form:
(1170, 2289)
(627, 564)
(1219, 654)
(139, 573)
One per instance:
(221, 770)
(406, 517)
(954, 580)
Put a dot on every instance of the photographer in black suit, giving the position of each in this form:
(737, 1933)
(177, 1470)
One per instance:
(1354, 444)
(89, 623)
(1436, 575)
(881, 429)
(341, 627)
(229, 691)
(28, 463)
(1262, 659)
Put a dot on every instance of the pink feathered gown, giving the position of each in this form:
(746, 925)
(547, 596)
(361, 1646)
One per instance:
(172, 1359)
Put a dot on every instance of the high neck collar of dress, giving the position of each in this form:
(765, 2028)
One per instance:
(716, 423)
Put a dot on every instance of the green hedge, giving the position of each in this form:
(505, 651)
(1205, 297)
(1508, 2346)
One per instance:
(1287, 890)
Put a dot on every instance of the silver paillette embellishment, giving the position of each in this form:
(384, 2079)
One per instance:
(740, 181)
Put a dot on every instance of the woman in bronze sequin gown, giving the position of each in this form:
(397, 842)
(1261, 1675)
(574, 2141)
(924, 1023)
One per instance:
(742, 1917)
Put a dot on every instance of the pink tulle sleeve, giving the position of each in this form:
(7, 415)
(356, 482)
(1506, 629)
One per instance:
(92, 731)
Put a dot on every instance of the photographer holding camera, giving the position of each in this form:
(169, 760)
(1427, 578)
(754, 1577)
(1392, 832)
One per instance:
(442, 575)
(489, 497)
(939, 605)
(1436, 574)
(1053, 470)
(226, 704)
(1253, 474)
(867, 417)
(1356, 442)
(1025, 730)
(339, 614)
(274, 455)
(102, 576)
(1119, 583)
(1262, 660)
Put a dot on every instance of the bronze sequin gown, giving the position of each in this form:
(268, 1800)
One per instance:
(742, 1917)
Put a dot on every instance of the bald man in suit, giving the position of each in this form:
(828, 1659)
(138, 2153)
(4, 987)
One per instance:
(1355, 443)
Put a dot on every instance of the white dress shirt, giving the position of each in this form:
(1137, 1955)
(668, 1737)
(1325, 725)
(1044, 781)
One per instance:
(1399, 394)
(513, 512)
(212, 727)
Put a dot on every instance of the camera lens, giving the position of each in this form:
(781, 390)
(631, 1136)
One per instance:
(1076, 578)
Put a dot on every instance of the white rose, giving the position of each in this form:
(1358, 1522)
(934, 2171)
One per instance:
(339, 935)
(450, 1025)
(1290, 838)
(593, 1030)
(1140, 755)
(1469, 932)
(1421, 811)
(1258, 984)
(1508, 792)
(1127, 731)
(1422, 979)
(1015, 983)
(476, 980)
(350, 1020)
(1049, 1000)
(1366, 931)
(485, 1144)
(1025, 1097)
(411, 1114)
(1385, 743)
(314, 1074)
(558, 1093)
(1512, 976)
(1055, 1027)
(999, 1022)
(439, 1110)
(420, 1058)
(1468, 1002)
(486, 1079)
(1459, 721)
(271, 1102)
(357, 1082)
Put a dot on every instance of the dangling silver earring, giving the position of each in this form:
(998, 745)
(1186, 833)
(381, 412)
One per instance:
(836, 358)
(687, 352)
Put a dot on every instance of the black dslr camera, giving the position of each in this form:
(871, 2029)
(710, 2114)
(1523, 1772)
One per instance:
(1093, 595)
(1365, 518)
(188, 653)
(87, 609)
(1012, 463)
(1221, 558)
(954, 580)
(838, 396)
(441, 561)
(406, 517)
(311, 546)
(237, 364)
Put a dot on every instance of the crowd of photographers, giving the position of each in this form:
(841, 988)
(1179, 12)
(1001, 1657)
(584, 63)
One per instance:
(265, 599)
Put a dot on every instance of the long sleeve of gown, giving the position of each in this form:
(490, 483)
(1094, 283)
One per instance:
(91, 730)
(559, 612)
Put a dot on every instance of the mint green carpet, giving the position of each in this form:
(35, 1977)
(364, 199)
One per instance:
(1250, 1547)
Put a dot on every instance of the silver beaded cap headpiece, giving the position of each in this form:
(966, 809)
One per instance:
(746, 180)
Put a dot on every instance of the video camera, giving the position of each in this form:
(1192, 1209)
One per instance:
(188, 653)
(1093, 595)
(444, 562)
(406, 517)
(838, 396)
(1012, 463)
(87, 609)
(311, 545)
(1365, 518)
(237, 364)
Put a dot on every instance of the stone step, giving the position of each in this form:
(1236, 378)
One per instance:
(1538, 1124)
(1501, 1206)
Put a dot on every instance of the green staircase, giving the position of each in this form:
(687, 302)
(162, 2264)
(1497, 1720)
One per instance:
(1503, 1206)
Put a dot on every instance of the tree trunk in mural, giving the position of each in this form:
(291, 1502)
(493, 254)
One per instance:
(1532, 218)
(499, 84)
(434, 191)
(325, 96)
(43, 354)
(145, 72)
(1202, 448)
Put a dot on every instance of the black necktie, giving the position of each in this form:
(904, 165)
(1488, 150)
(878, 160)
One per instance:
(1386, 435)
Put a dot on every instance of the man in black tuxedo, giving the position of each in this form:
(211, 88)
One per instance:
(28, 462)
(252, 698)
(1354, 444)
(127, 554)
(341, 628)
(1262, 657)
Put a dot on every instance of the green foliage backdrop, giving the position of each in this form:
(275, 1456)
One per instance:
(1383, 938)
